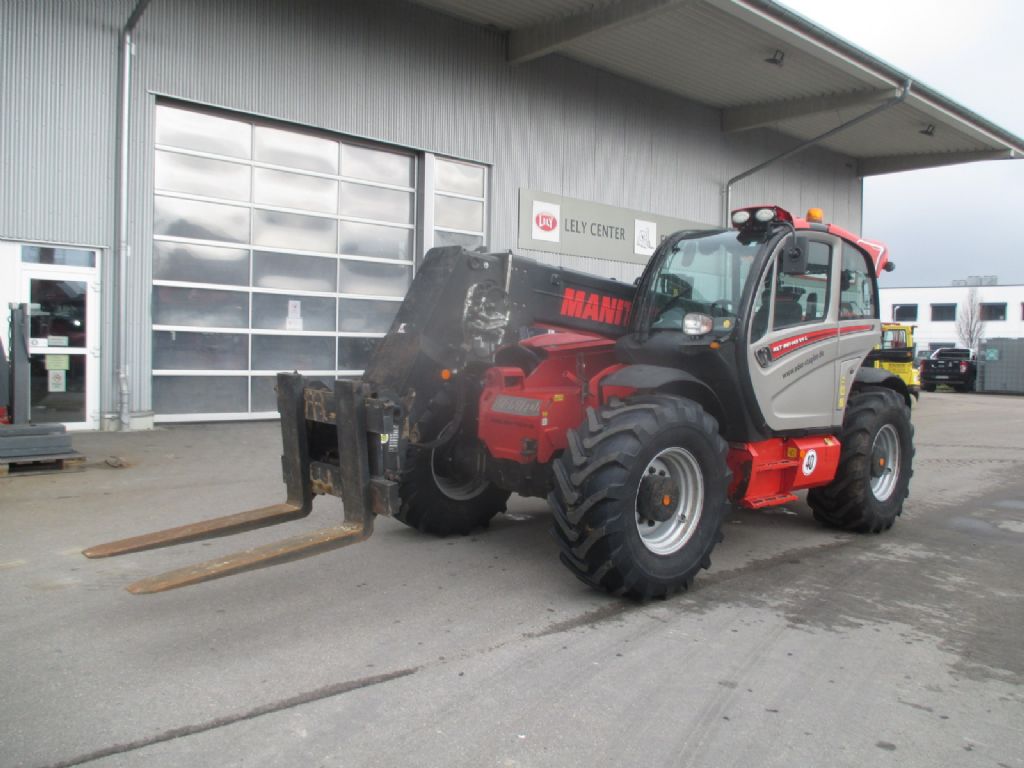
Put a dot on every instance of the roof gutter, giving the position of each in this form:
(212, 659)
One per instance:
(835, 44)
(121, 215)
(887, 104)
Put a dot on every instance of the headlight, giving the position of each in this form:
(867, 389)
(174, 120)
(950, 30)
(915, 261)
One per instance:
(697, 324)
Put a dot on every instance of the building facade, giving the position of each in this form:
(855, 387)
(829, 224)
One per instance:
(937, 311)
(200, 194)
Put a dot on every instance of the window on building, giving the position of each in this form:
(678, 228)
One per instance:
(943, 313)
(459, 203)
(276, 248)
(904, 313)
(993, 312)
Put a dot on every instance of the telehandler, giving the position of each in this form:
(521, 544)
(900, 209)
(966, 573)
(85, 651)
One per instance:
(729, 374)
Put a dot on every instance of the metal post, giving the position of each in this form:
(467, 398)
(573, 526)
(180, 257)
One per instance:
(20, 364)
(121, 220)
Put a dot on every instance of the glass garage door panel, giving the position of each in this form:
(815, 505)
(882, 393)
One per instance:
(187, 351)
(200, 220)
(292, 312)
(201, 176)
(291, 149)
(200, 394)
(293, 353)
(202, 132)
(375, 241)
(200, 263)
(200, 307)
(294, 273)
(373, 278)
(296, 190)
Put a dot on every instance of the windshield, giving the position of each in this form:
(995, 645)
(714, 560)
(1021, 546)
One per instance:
(703, 274)
(894, 338)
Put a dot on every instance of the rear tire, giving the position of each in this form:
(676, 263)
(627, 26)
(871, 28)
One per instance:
(444, 490)
(628, 465)
(928, 387)
(875, 465)
(444, 505)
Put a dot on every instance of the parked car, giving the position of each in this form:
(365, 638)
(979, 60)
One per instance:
(952, 366)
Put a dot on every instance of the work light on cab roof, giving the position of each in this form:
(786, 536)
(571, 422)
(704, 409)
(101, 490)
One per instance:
(759, 216)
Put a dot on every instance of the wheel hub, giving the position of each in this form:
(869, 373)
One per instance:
(459, 474)
(658, 497)
(885, 462)
(669, 501)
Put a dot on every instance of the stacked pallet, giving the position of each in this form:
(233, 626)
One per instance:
(36, 448)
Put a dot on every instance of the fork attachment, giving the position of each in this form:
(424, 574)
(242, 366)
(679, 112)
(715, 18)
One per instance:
(331, 440)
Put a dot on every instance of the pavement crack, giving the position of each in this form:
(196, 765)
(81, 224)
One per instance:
(318, 694)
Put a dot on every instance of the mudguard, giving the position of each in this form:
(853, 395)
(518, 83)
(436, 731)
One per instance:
(879, 377)
(656, 378)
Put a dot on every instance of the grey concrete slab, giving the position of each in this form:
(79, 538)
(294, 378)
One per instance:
(801, 646)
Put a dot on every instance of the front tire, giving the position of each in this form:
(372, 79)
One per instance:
(875, 466)
(640, 494)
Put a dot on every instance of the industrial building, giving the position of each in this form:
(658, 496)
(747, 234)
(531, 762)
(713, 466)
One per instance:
(936, 311)
(199, 194)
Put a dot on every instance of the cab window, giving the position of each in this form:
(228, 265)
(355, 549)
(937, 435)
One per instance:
(857, 286)
(791, 300)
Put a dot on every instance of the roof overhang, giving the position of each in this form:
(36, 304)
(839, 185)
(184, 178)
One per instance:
(759, 63)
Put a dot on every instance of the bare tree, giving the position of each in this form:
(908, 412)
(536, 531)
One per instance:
(969, 326)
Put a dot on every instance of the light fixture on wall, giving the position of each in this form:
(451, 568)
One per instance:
(776, 58)
(928, 130)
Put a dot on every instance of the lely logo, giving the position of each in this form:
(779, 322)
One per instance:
(544, 224)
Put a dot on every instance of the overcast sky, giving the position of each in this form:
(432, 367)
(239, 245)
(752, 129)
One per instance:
(945, 223)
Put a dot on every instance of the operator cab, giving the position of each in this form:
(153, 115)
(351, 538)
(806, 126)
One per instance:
(772, 318)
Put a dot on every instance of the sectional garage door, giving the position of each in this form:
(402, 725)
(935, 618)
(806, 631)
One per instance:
(278, 249)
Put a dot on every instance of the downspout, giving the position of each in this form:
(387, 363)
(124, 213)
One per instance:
(121, 220)
(810, 143)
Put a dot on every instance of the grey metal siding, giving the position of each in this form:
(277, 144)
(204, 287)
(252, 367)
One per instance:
(58, 83)
(387, 71)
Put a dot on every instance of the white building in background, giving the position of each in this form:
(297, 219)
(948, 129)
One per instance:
(935, 311)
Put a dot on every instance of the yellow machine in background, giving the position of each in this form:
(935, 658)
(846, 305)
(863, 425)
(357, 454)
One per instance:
(896, 354)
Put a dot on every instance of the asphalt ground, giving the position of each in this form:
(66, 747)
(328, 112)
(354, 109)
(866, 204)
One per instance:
(800, 647)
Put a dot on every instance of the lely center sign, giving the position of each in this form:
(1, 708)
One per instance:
(558, 224)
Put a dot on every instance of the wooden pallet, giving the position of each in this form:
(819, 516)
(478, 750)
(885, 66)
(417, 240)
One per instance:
(40, 465)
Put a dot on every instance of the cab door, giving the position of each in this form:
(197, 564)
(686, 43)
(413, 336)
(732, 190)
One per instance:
(793, 338)
(859, 327)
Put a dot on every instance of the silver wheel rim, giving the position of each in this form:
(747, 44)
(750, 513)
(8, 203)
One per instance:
(886, 446)
(669, 536)
(459, 490)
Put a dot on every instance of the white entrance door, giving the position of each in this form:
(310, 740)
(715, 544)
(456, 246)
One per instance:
(63, 343)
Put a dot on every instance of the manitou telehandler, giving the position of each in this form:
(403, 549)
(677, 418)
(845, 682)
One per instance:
(729, 374)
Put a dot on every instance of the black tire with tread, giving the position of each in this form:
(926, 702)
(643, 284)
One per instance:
(848, 502)
(425, 506)
(596, 482)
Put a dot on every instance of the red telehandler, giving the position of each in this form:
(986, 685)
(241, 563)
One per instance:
(730, 373)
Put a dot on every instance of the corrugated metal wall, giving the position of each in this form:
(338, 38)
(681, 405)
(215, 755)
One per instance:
(387, 71)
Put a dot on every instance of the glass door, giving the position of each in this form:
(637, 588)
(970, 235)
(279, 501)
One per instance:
(63, 344)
